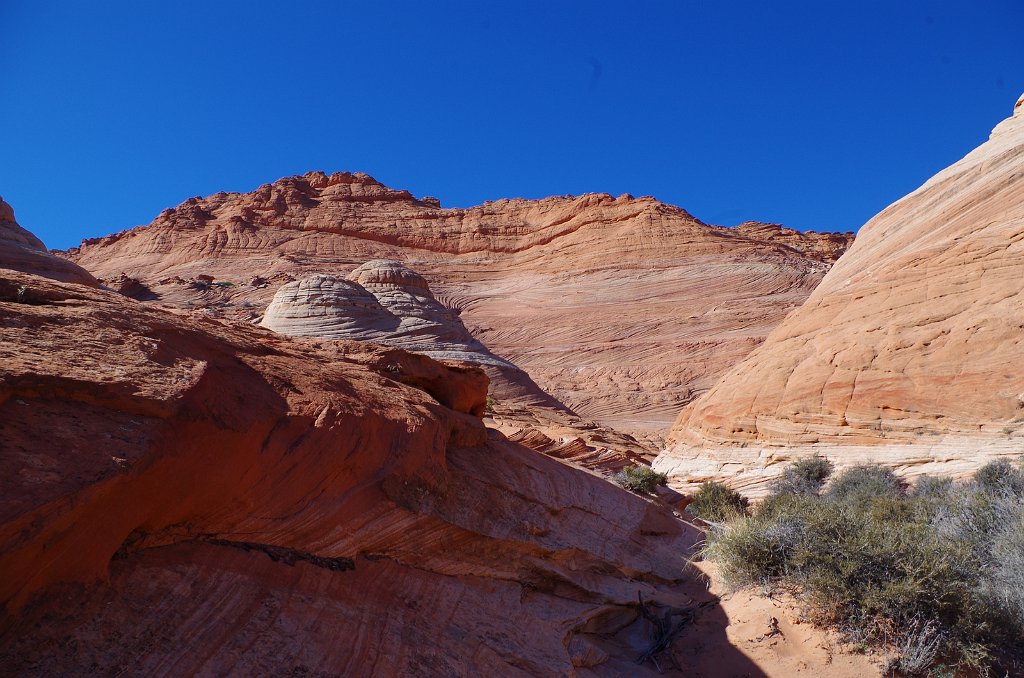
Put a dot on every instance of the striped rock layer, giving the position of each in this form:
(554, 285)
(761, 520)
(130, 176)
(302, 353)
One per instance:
(623, 309)
(909, 352)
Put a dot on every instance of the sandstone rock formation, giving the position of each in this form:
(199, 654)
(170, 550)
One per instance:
(386, 302)
(181, 496)
(908, 353)
(20, 250)
(184, 496)
(621, 308)
(381, 301)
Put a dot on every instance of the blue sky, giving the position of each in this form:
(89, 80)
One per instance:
(813, 114)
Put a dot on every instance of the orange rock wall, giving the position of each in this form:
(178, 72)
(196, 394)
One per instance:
(621, 308)
(181, 496)
(909, 351)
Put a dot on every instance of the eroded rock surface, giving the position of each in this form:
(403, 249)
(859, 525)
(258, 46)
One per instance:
(387, 302)
(908, 353)
(20, 250)
(381, 301)
(182, 496)
(623, 309)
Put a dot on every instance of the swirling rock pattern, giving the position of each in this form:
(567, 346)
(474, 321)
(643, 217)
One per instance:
(187, 496)
(385, 301)
(382, 301)
(623, 309)
(909, 352)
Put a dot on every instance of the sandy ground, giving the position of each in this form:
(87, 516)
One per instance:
(751, 635)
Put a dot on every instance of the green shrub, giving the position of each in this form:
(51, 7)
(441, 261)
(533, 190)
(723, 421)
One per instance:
(862, 483)
(756, 549)
(934, 575)
(640, 479)
(803, 477)
(933, 487)
(1000, 475)
(714, 502)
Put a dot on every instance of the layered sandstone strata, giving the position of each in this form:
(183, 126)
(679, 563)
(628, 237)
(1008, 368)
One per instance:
(386, 302)
(20, 250)
(380, 301)
(621, 308)
(182, 496)
(908, 353)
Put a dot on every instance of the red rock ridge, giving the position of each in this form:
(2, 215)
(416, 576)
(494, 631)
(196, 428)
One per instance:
(20, 250)
(182, 496)
(621, 308)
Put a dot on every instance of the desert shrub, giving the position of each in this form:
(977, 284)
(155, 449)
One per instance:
(640, 479)
(803, 477)
(1000, 476)
(977, 511)
(714, 502)
(935, 574)
(933, 487)
(757, 549)
(918, 650)
(1002, 581)
(990, 516)
(778, 504)
(863, 483)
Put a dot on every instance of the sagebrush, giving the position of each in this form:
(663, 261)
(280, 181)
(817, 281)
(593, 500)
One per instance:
(804, 477)
(641, 479)
(714, 502)
(934, 574)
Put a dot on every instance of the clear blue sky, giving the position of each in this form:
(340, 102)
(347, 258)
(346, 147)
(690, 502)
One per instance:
(812, 114)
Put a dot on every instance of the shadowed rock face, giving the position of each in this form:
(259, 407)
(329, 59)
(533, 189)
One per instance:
(181, 496)
(909, 352)
(621, 308)
(20, 250)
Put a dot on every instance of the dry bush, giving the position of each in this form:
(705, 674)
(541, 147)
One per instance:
(640, 479)
(803, 477)
(864, 483)
(714, 502)
(936, 574)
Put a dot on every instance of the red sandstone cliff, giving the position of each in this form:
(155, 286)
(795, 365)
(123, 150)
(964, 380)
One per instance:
(621, 308)
(20, 250)
(184, 496)
(909, 352)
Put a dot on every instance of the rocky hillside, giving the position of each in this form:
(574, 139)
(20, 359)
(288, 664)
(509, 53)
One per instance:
(387, 302)
(909, 352)
(621, 308)
(181, 496)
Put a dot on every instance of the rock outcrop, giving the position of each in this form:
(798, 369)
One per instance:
(621, 308)
(908, 353)
(387, 302)
(186, 496)
(381, 301)
(20, 250)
